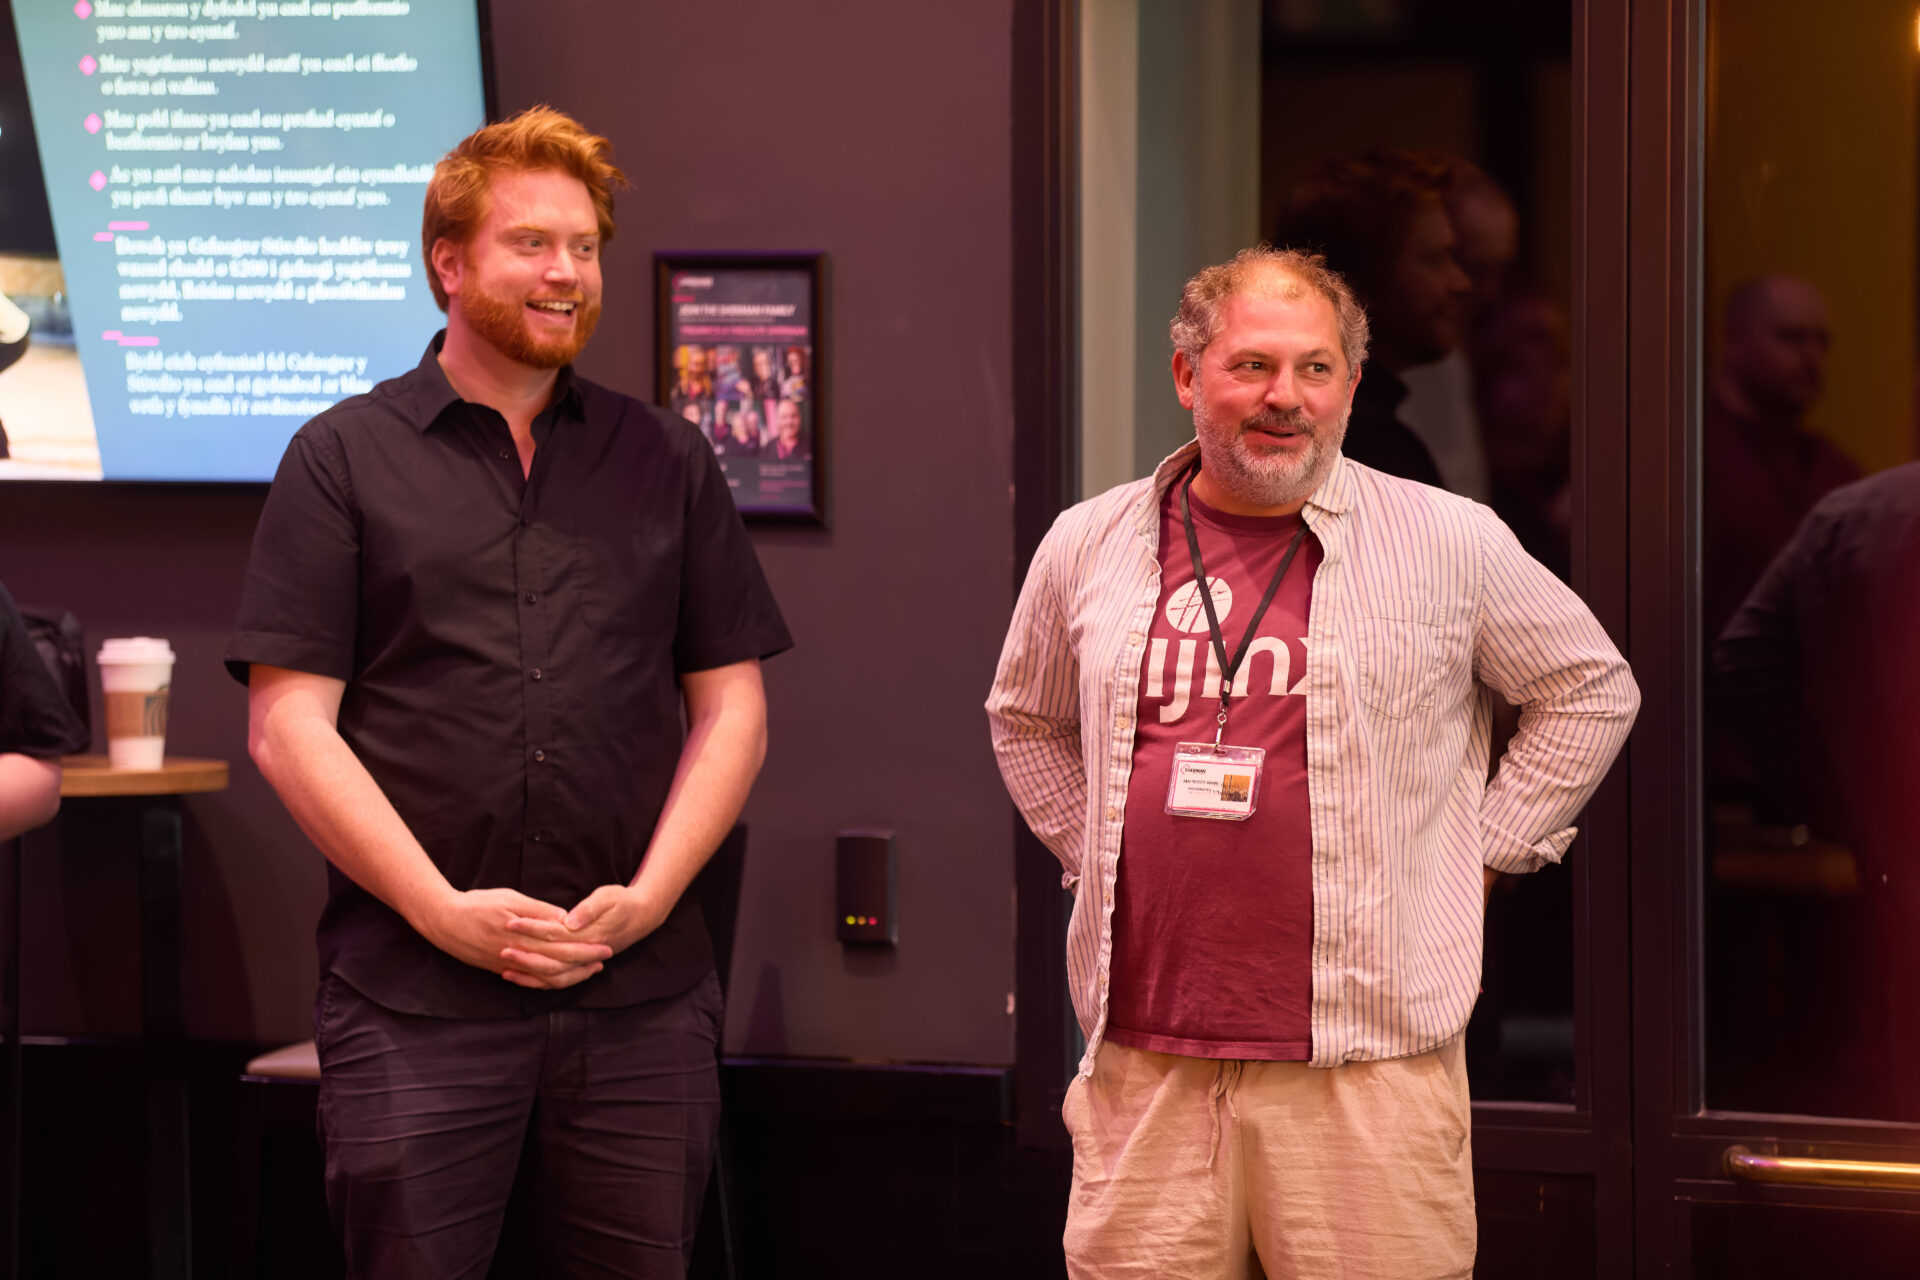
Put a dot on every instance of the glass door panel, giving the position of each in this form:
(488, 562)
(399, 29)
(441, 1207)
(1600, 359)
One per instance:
(1810, 539)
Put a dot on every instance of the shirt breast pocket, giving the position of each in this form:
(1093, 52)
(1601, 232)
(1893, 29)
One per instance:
(630, 581)
(1397, 651)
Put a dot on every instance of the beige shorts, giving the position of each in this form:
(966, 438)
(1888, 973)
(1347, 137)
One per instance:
(1196, 1167)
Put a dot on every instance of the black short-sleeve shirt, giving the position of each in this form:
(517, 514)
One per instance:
(511, 647)
(35, 719)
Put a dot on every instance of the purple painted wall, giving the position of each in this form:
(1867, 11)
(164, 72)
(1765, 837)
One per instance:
(881, 136)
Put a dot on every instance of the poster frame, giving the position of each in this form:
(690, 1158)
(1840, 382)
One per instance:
(667, 264)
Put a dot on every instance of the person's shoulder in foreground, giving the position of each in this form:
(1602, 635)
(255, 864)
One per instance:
(35, 719)
(37, 727)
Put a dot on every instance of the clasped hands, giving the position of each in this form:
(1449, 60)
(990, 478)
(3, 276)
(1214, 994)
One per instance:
(535, 944)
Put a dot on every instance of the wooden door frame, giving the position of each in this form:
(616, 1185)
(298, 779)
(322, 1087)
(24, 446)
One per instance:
(1594, 1137)
(1601, 325)
(1045, 210)
(1662, 269)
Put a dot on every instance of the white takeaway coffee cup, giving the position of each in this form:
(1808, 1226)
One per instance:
(135, 676)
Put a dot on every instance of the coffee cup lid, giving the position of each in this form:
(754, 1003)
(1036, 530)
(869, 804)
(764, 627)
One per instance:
(136, 649)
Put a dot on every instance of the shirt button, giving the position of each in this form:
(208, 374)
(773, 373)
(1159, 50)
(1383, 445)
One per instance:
(539, 755)
(1112, 812)
(506, 455)
(540, 837)
(537, 674)
(533, 597)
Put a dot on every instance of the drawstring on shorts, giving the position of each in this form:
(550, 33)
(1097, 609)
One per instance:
(1225, 1081)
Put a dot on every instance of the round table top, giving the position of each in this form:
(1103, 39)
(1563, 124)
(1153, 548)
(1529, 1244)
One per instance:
(179, 775)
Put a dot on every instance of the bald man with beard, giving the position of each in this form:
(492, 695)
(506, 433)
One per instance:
(1764, 469)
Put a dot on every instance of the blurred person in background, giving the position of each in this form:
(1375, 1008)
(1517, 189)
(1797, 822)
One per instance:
(1764, 468)
(1381, 222)
(1523, 391)
(1815, 678)
(1440, 405)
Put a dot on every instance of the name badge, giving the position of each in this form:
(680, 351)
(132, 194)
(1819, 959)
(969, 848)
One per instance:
(1211, 781)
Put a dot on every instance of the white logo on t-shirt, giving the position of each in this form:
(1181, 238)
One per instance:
(1186, 612)
(1194, 670)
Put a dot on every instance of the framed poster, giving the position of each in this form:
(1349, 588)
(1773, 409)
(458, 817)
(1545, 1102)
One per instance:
(739, 356)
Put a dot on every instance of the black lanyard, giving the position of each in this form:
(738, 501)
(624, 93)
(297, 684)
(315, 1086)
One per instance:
(1205, 589)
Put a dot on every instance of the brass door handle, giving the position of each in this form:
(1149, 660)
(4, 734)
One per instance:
(1807, 1171)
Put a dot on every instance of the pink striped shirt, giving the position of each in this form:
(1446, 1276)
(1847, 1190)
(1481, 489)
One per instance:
(1423, 603)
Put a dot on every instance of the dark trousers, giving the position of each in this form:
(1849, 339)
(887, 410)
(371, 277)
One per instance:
(424, 1121)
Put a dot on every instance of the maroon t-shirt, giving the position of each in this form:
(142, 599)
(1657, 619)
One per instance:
(1213, 920)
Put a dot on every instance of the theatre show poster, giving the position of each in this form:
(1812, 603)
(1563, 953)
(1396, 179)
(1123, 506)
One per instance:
(740, 359)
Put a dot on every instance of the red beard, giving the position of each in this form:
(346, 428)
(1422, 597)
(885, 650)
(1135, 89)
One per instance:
(504, 326)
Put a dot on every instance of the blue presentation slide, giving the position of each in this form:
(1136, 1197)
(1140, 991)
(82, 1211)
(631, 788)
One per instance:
(235, 188)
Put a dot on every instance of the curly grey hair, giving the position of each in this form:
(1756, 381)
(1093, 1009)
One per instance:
(1194, 323)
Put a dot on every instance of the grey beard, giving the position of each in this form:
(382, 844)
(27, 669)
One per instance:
(1239, 473)
(1266, 489)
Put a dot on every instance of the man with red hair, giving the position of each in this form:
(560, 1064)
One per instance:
(480, 598)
